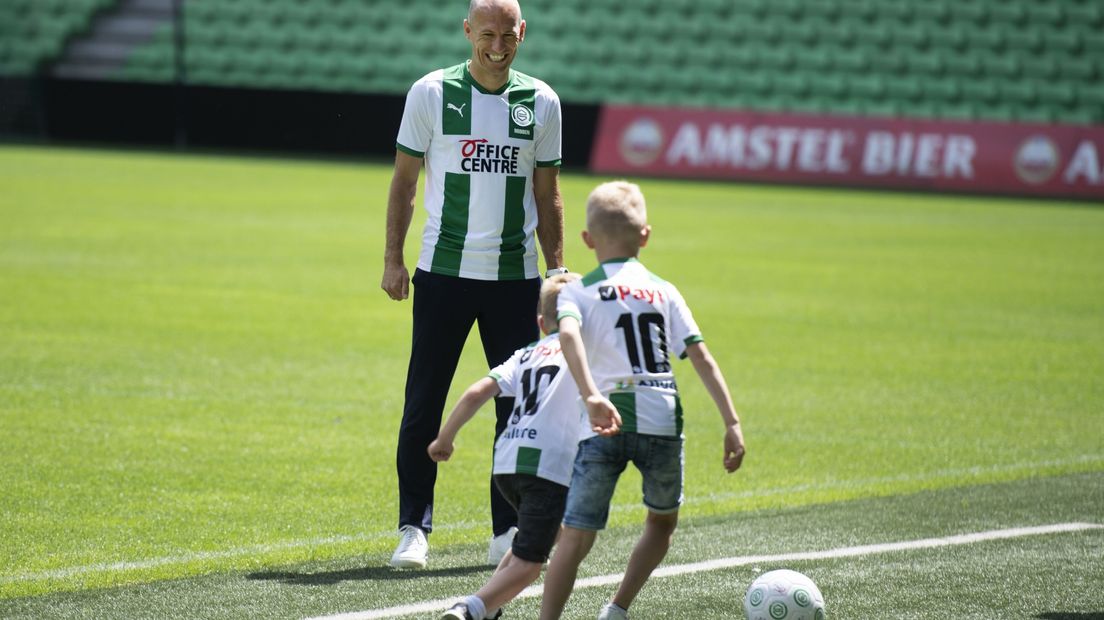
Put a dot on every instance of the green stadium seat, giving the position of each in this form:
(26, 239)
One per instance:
(827, 85)
(960, 110)
(1080, 69)
(942, 90)
(849, 60)
(790, 84)
(961, 64)
(1023, 41)
(948, 38)
(1048, 13)
(1001, 65)
(981, 91)
(867, 87)
(1018, 92)
(925, 63)
(969, 12)
(892, 62)
(1035, 114)
(903, 89)
(840, 34)
(1062, 41)
(1008, 13)
(933, 12)
(1057, 94)
(751, 82)
(1089, 14)
(881, 108)
(1040, 68)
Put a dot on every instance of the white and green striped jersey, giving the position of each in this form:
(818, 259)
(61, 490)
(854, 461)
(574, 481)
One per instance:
(631, 322)
(480, 149)
(542, 435)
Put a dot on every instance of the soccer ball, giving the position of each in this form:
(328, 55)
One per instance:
(783, 595)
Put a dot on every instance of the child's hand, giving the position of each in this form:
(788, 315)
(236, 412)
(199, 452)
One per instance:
(604, 418)
(440, 450)
(733, 447)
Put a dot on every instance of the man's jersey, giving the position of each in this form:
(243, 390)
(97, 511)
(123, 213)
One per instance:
(480, 148)
(542, 435)
(631, 323)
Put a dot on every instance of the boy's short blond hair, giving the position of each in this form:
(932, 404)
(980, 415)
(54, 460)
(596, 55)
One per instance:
(616, 212)
(549, 293)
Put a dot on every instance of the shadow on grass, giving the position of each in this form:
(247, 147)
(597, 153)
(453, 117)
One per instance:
(1062, 615)
(368, 573)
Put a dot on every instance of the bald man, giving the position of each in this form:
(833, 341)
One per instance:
(490, 140)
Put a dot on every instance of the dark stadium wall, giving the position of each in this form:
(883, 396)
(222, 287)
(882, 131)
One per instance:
(197, 117)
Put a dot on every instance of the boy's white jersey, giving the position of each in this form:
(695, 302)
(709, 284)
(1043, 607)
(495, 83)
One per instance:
(632, 322)
(480, 149)
(542, 434)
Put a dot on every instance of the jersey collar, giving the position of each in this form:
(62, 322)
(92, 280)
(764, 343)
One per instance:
(471, 80)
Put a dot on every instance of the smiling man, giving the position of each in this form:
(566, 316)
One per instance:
(490, 140)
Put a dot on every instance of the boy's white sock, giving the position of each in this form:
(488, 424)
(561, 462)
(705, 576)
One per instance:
(476, 609)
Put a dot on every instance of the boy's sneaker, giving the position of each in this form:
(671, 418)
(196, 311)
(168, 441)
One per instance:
(612, 612)
(500, 545)
(458, 611)
(412, 550)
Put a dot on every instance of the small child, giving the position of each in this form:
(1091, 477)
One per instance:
(533, 457)
(619, 326)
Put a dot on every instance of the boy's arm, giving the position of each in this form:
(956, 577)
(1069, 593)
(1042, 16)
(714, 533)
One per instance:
(710, 374)
(474, 397)
(604, 418)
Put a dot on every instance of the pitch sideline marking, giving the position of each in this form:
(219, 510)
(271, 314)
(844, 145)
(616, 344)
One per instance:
(253, 550)
(709, 565)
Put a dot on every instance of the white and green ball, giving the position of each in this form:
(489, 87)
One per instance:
(784, 595)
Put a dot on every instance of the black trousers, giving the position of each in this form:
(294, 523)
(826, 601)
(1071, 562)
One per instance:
(445, 308)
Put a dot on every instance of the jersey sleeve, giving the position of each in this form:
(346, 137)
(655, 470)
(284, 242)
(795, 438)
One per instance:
(416, 129)
(567, 302)
(684, 330)
(505, 374)
(547, 142)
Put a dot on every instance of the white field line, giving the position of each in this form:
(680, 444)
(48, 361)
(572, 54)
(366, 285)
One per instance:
(311, 543)
(709, 565)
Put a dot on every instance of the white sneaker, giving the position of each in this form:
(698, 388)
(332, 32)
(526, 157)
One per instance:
(412, 550)
(499, 546)
(612, 612)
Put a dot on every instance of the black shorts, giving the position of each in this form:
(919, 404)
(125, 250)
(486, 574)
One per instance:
(540, 506)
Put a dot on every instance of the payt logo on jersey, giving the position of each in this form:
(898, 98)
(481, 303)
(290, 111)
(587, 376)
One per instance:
(619, 292)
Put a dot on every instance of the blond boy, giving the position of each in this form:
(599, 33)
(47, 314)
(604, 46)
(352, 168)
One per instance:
(533, 456)
(619, 327)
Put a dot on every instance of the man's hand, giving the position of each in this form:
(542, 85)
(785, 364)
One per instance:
(604, 418)
(396, 281)
(400, 210)
(440, 450)
(733, 447)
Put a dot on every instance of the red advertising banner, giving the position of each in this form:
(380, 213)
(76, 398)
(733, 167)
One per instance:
(961, 156)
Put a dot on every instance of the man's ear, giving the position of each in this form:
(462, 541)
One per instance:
(645, 234)
(588, 240)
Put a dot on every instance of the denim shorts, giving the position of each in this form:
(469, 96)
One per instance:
(540, 506)
(599, 464)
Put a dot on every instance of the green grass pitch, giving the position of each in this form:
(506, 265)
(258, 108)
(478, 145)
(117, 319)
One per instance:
(200, 386)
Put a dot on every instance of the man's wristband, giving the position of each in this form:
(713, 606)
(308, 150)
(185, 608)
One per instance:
(555, 272)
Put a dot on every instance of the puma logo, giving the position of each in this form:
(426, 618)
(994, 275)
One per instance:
(459, 110)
